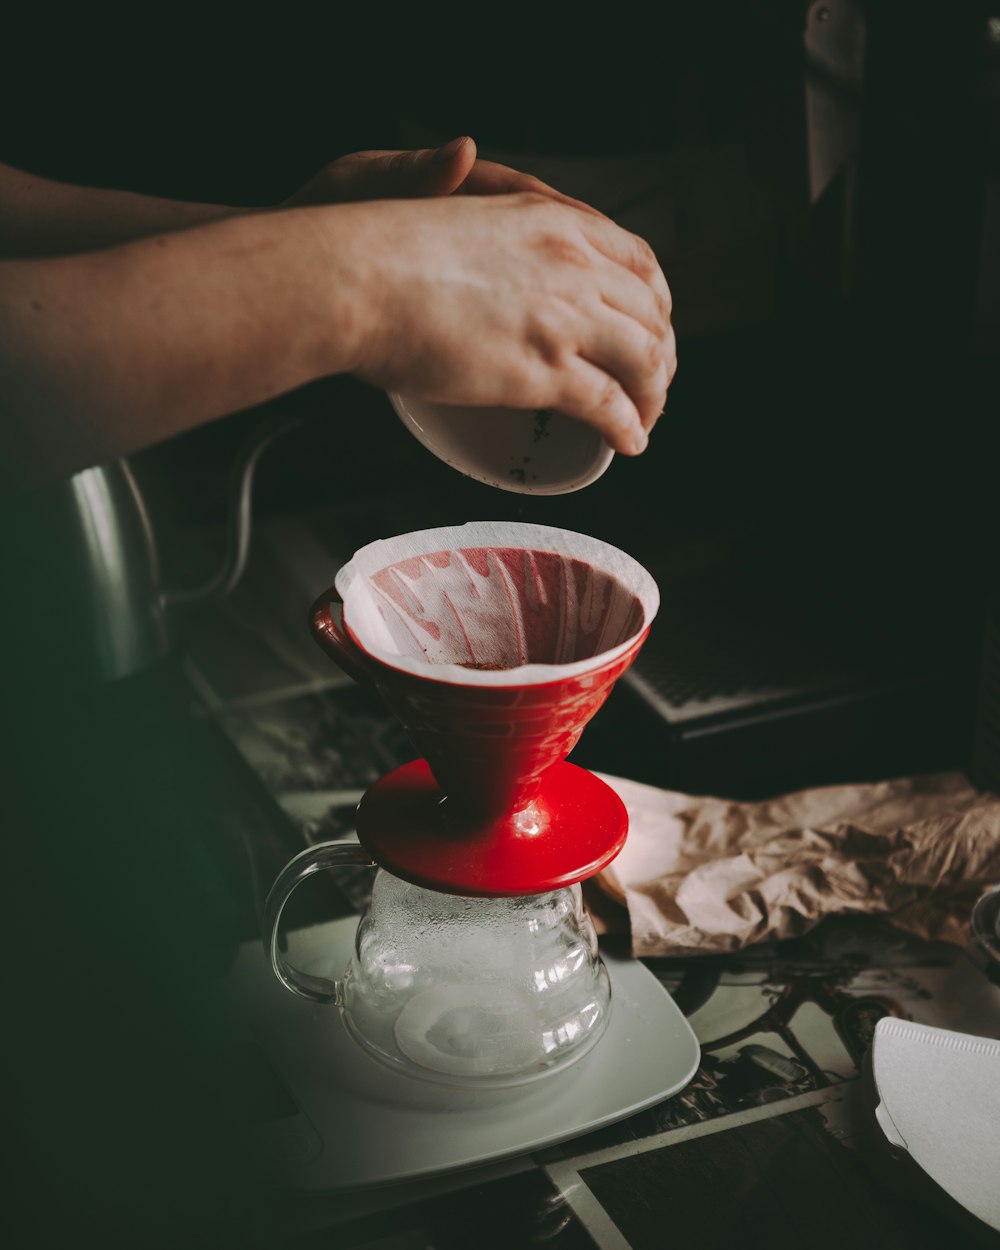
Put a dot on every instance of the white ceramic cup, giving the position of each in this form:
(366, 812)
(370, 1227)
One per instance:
(533, 452)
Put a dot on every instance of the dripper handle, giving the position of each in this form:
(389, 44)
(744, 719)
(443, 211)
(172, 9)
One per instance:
(304, 865)
(326, 621)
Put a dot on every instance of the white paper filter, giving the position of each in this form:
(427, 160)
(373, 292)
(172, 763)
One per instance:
(940, 1100)
(495, 603)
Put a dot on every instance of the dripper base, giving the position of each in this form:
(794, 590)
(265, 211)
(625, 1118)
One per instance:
(574, 826)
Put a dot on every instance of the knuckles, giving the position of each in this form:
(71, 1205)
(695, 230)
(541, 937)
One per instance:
(557, 247)
(653, 353)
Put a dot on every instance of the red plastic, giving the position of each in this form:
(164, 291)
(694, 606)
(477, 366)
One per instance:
(492, 808)
(574, 825)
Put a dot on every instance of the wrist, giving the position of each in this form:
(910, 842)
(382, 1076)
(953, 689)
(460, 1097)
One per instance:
(343, 291)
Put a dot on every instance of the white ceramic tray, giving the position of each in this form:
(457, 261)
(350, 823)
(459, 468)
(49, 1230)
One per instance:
(362, 1124)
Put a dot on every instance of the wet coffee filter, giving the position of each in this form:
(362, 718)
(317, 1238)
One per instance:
(488, 598)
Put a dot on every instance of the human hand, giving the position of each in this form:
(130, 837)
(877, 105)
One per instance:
(452, 168)
(524, 300)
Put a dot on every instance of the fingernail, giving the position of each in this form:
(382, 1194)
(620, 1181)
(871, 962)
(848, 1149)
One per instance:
(450, 149)
(640, 440)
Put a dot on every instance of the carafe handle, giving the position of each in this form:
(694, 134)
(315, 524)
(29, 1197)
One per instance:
(326, 622)
(312, 860)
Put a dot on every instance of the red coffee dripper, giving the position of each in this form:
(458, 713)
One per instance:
(494, 643)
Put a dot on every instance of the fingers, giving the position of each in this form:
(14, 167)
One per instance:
(636, 343)
(385, 175)
(423, 171)
(627, 352)
(624, 292)
(490, 178)
(641, 345)
(629, 251)
(629, 335)
(592, 395)
(446, 168)
(629, 348)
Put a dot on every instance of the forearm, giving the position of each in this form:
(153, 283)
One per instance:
(40, 217)
(111, 351)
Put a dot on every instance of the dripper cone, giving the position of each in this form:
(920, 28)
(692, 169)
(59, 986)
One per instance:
(494, 643)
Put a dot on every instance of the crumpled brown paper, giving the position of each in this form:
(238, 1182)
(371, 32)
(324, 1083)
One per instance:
(712, 875)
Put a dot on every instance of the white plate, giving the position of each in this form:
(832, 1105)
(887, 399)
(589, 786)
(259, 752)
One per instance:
(530, 453)
(362, 1124)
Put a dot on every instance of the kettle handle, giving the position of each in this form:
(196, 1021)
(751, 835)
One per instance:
(308, 862)
(239, 517)
(326, 623)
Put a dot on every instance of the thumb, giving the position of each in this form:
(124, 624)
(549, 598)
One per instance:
(431, 171)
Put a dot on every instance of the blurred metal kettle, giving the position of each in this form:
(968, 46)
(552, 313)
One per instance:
(81, 565)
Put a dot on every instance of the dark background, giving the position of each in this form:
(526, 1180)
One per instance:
(854, 428)
(868, 408)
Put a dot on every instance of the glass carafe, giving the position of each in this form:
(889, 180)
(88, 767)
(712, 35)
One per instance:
(467, 991)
